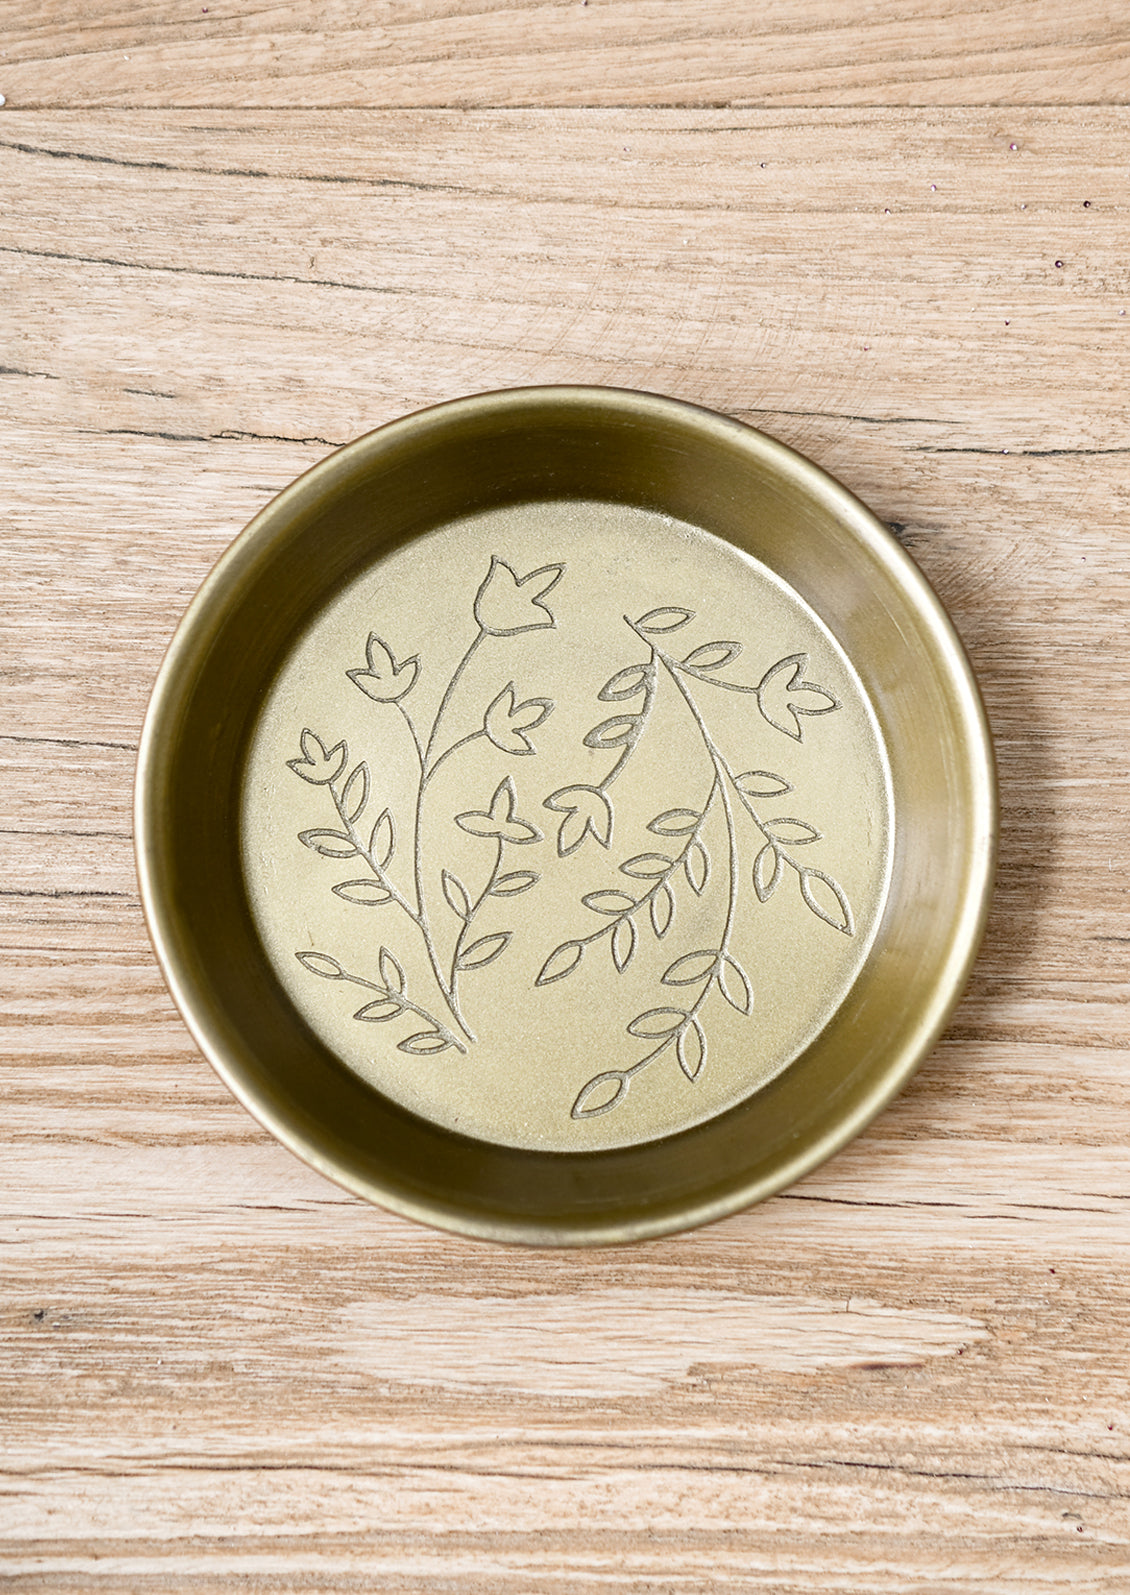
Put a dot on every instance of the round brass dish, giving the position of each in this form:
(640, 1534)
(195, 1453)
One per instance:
(565, 816)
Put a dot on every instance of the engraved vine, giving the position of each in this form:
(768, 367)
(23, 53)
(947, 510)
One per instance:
(505, 605)
(784, 696)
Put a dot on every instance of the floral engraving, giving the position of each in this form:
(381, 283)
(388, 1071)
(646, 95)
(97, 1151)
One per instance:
(654, 878)
(505, 605)
(730, 840)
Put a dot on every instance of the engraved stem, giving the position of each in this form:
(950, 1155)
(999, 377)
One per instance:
(427, 770)
(722, 775)
(661, 880)
(408, 721)
(762, 826)
(412, 1007)
(630, 746)
(721, 772)
(472, 736)
(354, 836)
(416, 915)
(475, 906)
(445, 702)
(722, 764)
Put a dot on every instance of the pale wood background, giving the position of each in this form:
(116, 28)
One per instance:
(895, 236)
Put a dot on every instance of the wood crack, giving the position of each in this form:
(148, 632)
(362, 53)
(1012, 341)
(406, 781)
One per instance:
(68, 742)
(229, 436)
(60, 892)
(197, 271)
(232, 171)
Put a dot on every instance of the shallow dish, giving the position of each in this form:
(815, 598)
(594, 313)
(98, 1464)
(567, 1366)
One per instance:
(565, 815)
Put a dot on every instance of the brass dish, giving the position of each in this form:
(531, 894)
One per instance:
(565, 816)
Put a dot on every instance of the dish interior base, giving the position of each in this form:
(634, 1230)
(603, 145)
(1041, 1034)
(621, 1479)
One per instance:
(566, 825)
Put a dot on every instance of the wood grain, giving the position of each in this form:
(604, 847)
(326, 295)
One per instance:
(906, 1376)
(241, 53)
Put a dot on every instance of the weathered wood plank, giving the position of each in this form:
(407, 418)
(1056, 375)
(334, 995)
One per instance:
(566, 52)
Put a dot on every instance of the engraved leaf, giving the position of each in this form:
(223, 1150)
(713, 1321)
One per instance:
(519, 880)
(365, 893)
(827, 900)
(457, 895)
(625, 684)
(321, 964)
(674, 822)
(691, 1049)
(656, 1023)
(712, 656)
(763, 784)
(662, 910)
(604, 1091)
(608, 902)
(356, 793)
(768, 867)
(623, 944)
(794, 833)
(658, 621)
(424, 1044)
(696, 867)
(382, 842)
(382, 1008)
(692, 968)
(733, 983)
(485, 950)
(647, 866)
(331, 844)
(391, 972)
(782, 701)
(613, 733)
(561, 962)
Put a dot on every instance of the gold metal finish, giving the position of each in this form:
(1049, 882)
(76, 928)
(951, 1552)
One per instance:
(571, 853)
(565, 815)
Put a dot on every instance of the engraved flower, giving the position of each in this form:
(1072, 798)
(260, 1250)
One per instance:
(587, 811)
(319, 765)
(385, 681)
(507, 603)
(779, 696)
(506, 722)
(500, 820)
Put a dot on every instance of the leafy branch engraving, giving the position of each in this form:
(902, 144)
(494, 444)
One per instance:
(505, 605)
(783, 694)
(390, 1002)
(587, 810)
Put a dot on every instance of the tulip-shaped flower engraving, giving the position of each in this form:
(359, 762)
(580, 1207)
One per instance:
(587, 811)
(505, 605)
(507, 724)
(384, 681)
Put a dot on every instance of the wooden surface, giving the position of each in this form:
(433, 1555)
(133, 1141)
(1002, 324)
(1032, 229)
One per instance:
(909, 1374)
(242, 53)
